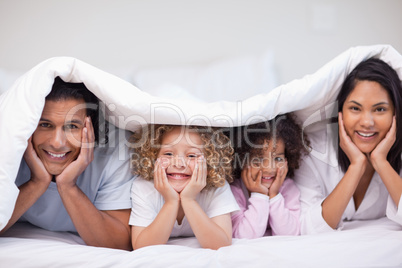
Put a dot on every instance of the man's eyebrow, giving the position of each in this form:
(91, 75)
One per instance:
(44, 119)
(77, 121)
(74, 121)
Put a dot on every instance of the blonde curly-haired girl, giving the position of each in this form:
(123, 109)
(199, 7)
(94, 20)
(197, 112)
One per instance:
(182, 185)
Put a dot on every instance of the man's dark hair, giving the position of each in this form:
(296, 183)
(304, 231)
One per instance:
(77, 91)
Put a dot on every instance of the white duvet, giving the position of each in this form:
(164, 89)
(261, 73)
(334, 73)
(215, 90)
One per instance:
(128, 107)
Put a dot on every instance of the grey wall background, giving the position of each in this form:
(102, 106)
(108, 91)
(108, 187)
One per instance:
(112, 35)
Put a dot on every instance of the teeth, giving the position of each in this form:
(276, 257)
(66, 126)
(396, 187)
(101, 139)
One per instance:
(57, 155)
(366, 134)
(178, 175)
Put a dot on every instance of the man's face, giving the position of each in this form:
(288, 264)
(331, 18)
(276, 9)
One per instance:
(57, 139)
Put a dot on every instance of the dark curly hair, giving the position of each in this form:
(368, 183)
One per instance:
(249, 141)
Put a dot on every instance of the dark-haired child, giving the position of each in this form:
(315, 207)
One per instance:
(264, 163)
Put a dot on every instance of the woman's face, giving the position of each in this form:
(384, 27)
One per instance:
(367, 115)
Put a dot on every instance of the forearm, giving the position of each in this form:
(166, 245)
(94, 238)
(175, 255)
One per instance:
(335, 204)
(284, 220)
(28, 195)
(96, 228)
(251, 222)
(391, 180)
(158, 232)
(208, 233)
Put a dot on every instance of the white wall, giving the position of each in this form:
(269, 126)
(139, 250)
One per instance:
(304, 34)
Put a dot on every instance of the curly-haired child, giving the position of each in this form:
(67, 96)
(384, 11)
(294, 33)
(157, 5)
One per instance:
(268, 154)
(182, 188)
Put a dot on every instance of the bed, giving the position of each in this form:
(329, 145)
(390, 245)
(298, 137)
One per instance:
(376, 243)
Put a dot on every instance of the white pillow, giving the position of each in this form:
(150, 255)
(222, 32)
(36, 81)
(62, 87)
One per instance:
(230, 79)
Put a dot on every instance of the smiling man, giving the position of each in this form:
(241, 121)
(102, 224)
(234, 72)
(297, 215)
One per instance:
(68, 180)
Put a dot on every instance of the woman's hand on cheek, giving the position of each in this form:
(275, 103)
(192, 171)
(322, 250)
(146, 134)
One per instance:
(381, 151)
(38, 170)
(161, 182)
(253, 185)
(281, 173)
(347, 145)
(198, 180)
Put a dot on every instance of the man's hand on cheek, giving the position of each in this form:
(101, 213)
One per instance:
(69, 175)
(38, 171)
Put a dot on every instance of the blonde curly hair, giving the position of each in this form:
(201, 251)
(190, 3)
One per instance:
(217, 150)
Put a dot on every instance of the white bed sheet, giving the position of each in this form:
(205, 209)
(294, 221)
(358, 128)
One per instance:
(376, 243)
(363, 244)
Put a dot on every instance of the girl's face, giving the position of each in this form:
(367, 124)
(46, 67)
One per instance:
(180, 150)
(367, 115)
(272, 159)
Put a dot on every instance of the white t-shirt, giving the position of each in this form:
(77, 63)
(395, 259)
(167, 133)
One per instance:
(318, 176)
(147, 202)
(106, 182)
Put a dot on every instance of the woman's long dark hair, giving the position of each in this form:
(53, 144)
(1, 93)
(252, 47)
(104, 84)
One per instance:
(378, 71)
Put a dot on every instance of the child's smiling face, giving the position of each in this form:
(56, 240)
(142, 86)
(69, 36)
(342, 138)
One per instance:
(272, 159)
(180, 149)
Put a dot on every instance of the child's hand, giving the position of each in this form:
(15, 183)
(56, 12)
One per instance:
(253, 184)
(198, 180)
(162, 184)
(279, 179)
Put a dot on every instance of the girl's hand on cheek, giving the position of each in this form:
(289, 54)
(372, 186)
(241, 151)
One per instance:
(381, 151)
(347, 145)
(253, 185)
(198, 180)
(161, 182)
(281, 173)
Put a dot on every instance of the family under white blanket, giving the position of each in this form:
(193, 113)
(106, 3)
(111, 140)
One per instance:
(367, 186)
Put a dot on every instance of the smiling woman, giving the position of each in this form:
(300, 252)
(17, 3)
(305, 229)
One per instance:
(367, 184)
(367, 115)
